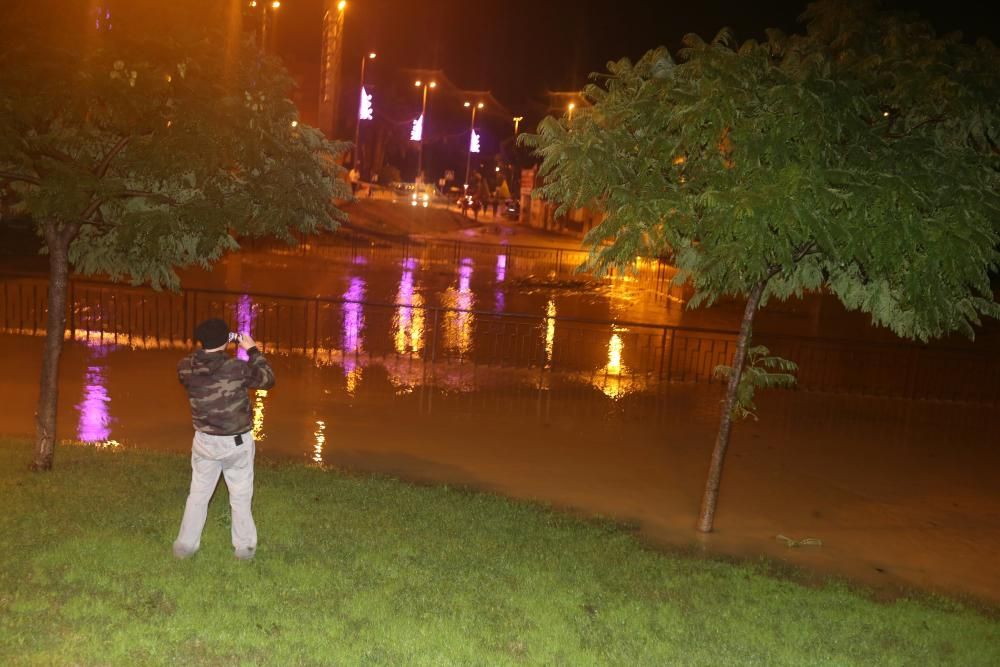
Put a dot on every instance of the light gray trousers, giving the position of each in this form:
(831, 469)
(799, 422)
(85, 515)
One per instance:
(212, 455)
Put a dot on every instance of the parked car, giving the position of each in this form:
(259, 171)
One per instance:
(511, 209)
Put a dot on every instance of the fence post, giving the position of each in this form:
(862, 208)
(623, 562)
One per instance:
(72, 310)
(670, 359)
(663, 349)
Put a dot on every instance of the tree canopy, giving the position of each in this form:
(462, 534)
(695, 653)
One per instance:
(156, 138)
(860, 158)
(142, 137)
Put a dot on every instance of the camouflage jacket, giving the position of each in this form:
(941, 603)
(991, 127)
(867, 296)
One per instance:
(217, 386)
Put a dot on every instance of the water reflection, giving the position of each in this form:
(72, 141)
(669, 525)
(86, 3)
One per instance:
(94, 425)
(550, 331)
(499, 298)
(354, 322)
(458, 323)
(320, 435)
(613, 379)
(408, 320)
(258, 414)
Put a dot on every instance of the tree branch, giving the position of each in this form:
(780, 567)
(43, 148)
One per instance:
(166, 199)
(805, 251)
(10, 176)
(53, 153)
(930, 121)
(102, 167)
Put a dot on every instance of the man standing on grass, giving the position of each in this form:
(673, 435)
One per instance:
(217, 386)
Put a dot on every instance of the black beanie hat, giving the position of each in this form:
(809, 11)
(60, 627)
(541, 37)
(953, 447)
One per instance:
(212, 333)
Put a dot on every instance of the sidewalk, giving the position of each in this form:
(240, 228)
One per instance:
(385, 215)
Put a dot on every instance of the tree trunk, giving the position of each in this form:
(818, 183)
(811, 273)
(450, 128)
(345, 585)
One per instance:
(711, 496)
(48, 396)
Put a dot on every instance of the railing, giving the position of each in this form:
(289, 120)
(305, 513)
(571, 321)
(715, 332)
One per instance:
(462, 349)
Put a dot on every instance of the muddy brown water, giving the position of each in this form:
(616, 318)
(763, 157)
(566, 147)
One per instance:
(902, 494)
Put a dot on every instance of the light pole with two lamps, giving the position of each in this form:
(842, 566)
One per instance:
(274, 6)
(423, 123)
(472, 129)
(361, 103)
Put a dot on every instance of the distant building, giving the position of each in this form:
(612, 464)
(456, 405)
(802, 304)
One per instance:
(329, 66)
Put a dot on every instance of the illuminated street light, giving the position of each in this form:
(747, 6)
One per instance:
(423, 116)
(472, 137)
(570, 108)
(364, 101)
(517, 121)
(273, 7)
(341, 5)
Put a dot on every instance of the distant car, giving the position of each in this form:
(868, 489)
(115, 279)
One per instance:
(409, 189)
(403, 188)
(512, 209)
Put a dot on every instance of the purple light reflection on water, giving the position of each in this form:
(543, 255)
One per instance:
(354, 323)
(410, 263)
(501, 268)
(499, 301)
(408, 322)
(94, 425)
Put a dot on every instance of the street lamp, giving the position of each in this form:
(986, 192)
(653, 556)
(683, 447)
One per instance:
(273, 6)
(361, 101)
(423, 117)
(517, 121)
(472, 128)
(570, 108)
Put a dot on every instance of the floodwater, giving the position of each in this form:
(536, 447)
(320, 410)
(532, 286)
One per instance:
(901, 493)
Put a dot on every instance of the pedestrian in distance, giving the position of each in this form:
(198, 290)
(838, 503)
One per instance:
(217, 386)
(354, 176)
(476, 205)
(495, 203)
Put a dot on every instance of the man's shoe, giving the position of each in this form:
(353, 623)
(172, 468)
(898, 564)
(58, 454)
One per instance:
(245, 553)
(183, 551)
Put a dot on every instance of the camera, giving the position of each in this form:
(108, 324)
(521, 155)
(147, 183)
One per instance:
(234, 337)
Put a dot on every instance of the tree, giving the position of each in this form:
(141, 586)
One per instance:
(859, 159)
(147, 140)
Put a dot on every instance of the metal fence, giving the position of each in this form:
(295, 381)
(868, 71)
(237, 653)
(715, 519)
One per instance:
(459, 349)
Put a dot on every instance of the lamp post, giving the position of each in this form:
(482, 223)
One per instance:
(570, 109)
(265, 5)
(357, 122)
(517, 121)
(472, 128)
(423, 115)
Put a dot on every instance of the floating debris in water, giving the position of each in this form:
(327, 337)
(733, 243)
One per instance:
(806, 542)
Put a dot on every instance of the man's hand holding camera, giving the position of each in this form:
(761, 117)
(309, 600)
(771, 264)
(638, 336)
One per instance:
(244, 340)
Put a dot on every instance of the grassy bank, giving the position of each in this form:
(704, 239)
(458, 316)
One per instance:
(367, 571)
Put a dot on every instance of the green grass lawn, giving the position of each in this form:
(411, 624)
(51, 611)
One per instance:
(356, 570)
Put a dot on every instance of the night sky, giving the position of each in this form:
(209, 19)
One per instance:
(518, 49)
